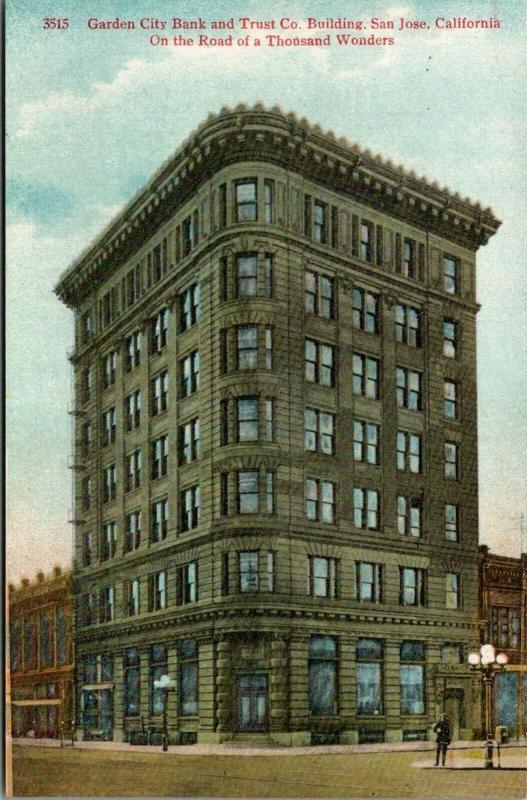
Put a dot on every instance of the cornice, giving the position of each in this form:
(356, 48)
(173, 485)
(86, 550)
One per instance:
(257, 134)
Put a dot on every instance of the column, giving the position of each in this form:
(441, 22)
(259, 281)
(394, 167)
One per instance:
(206, 689)
(279, 684)
(224, 687)
(118, 684)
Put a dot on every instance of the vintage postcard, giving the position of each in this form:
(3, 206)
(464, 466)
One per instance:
(266, 369)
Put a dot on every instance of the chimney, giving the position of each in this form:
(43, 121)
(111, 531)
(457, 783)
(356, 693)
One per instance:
(25, 582)
(57, 571)
(40, 577)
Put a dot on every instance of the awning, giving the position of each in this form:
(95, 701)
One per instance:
(54, 702)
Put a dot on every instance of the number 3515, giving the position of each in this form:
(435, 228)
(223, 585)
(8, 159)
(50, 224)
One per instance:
(50, 23)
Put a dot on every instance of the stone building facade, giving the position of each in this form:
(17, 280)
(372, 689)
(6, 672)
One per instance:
(40, 678)
(275, 444)
(504, 609)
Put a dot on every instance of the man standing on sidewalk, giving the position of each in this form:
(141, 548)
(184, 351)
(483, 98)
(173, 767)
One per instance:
(443, 731)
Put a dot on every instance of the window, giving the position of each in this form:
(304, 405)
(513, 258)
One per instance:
(409, 514)
(189, 374)
(222, 202)
(322, 577)
(365, 376)
(247, 275)
(132, 597)
(450, 336)
(369, 656)
(159, 328)
(106, 604)
(320, 500)
(270, 571)
(157, 262)
(408, 325)
(505, 627)
(132, 531)
(159, 520)
(187, 583)
(408, 389)
(189, 442)
(109, 483)
(452, 654)
(366, 442)
(159, 393)
(450, 404)
(366, 509)
(365, 310)
(247, 346)
(269, 492)
(133, 351)
(188, 677)
(133, 470)
(87, 436)
(369, 581)
(451, 522)
(157, 591)
(452, 590)
(109, 426)
(412, 678)
(86, 494)
(108, 540)
(159, 457)
(248, 492)
(132, 286)
(189, 230)
(248, 571)
(86, 384)
(319, 431)
(451, 460)
(450, 275)
(87, 548)
(109, 369)
(87, 606)
(86, 326)
(320, 362)
(132, 407)
(408, 452)
(269, 193)
(366, 241)
(190, 508)
(131, 682)
(320, 221)
(268, 347)
(269, 419)
(319, 294)
(189, 307)
(46, 640)
(409, 263)
(158, 666)
(245, 197)
(323, 675)
(247, 419)
(412, 587)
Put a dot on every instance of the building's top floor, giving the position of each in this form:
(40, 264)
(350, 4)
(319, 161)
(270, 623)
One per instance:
(44, 589)
(286, 142)
(503, 572)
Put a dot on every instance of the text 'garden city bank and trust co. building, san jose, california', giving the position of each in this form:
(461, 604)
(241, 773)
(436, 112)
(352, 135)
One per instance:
(275, 445)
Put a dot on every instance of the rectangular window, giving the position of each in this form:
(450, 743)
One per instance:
(269, 193)
(86, 384)
(366, 442)
(319, 431)
(412, 678)
(409, 261)
(408, 389)
(132, 531)
(86, 326)
(106, 604)
(87, 548)
(245, 200)
(190, 507)
(189, 232)
(247, 346)
(133, 351)
(86, 494)
(408, 452)
(320, 500)
(505, 627)
(322, 576)
(450, 336)
(366, 509)
(187, 583)
(157, 666)
(222, 193)
(109, 483)
(157, 591)
(268, 347)
(224, 494)
(366, 241)
(369, 582)
(319, 294)
(452, 590)
(320, 221)
(87, 436)
(109, 369)
(408, 325)
(132, 594)
(224, 574)
(247, 419)
(269, 419)
(159, 457)
(131, 682)
(323, 675)
(189, 307)
(132, 409)
(450, 275)
(159, 520)
(409, 516)
(451, 460)
(248, 502)
(158, 330)
(133, 470)
(452, 654)
(450, 403)
(159, 393)
(269, 492)
(189, 442)
(451, 522)
(365, 310)
(188, 678)
(248, 570)
(319, 362)
(412, 586)
(87, 611)
(369, 669)
(109, 426)
(132, 286)
(365, 376)
(189, 374)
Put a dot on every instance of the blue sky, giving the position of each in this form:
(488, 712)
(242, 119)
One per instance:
(91, 114)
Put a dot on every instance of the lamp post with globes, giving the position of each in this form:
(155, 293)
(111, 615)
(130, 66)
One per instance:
(488, 664)
(166, 685)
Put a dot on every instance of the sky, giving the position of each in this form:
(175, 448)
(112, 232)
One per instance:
(91, 114)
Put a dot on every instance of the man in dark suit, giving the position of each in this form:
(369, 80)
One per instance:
(444, 735)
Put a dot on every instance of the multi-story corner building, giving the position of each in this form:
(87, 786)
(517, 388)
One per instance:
(504, 611)
(275, 449)
(40, 679)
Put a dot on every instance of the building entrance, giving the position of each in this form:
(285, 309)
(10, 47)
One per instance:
(252, 702)
(97, 713)
(453, 708)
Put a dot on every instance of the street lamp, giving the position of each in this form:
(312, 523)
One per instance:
(166, 685)
(488, 664)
